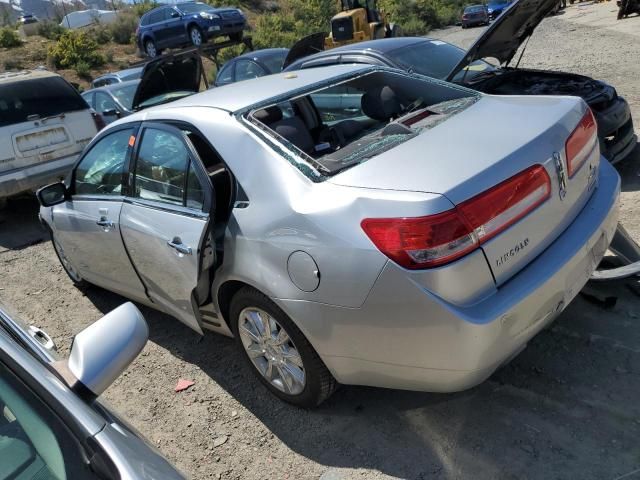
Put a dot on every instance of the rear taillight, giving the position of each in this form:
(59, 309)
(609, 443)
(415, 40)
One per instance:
(98, 120)
(581, 142)
(435, 240)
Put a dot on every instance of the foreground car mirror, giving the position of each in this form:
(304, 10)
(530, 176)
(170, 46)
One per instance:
(104, 350)
(52, 194)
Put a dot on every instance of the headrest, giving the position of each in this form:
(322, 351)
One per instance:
(268, 115)
(380, 103)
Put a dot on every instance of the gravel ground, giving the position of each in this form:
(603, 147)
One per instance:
(567, 407)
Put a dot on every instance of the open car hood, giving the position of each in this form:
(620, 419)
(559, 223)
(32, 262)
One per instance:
(304, 47)
(172, 73)
(505, 35)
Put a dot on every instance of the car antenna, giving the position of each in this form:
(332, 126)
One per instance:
(522, 52)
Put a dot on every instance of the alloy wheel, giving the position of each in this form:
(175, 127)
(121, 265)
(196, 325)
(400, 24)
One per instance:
(150, 48)
(271, 350)
(196, 37)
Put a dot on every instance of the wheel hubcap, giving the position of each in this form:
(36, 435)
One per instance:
(151, 49)
(65, 262)
(196, 37)
(271, 350)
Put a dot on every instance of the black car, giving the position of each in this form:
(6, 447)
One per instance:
(435, 58)
(189, 23)
(252, 65)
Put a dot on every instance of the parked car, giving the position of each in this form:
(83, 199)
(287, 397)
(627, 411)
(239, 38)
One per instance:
(117, 77)
(474, 15)
(252, 65)
(87, 18)
(162, 80)
(496, 7)
(44, 125)
(439, 59)
(51, 424)
(190, 23)
(27, 18)
(417, 244)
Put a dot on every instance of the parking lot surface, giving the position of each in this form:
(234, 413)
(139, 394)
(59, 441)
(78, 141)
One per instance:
(567, 407)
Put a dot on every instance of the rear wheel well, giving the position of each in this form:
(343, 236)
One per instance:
(225, 293)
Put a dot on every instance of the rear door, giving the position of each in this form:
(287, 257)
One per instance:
(87, 227)
(165, 221)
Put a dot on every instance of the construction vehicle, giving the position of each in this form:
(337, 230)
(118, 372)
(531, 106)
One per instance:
(358, 21)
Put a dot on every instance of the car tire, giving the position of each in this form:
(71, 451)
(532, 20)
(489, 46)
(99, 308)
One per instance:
(69, 269)
(236, 37)
(196, 36)
(150, 48)
(292, 370)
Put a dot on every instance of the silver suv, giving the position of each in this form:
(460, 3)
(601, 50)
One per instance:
(44, 125)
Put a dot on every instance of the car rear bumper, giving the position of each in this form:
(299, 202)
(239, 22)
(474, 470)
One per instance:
(406, 337)
(35, 176)
(616, 132)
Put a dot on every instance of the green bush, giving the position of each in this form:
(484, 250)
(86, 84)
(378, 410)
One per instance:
(13, 64)
(124, 28)
(100, 34)
(50, 30)
(143, 7)
(74, 47)
(9, 38)
(83, 69)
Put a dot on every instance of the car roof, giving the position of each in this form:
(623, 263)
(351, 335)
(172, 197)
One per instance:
(265, 52)
(381, 45)
(10, 77)
(241, 95)
(113, 86)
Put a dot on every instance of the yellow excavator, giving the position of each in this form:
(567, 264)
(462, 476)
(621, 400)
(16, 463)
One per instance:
(358, 21)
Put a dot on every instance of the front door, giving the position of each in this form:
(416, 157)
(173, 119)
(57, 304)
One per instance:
(87, 227)
(165, 221)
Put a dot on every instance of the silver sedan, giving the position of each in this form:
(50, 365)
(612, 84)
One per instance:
(349, 224)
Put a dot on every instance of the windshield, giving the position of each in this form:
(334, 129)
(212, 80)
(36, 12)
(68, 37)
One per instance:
(435, 58)
(474, 9)
(358, 119)
(124, 95)
(194, 7)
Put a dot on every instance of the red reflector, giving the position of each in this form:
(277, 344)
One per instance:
(581, 142)
(435, 240)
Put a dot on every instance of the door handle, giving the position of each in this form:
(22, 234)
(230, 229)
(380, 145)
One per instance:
(177, 245)
(104, 223)
(352, 110)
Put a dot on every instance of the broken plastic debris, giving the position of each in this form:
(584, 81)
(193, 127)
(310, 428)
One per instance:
(183, 384)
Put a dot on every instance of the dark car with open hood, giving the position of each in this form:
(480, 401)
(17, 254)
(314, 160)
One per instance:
(501, 41)
(163, 80)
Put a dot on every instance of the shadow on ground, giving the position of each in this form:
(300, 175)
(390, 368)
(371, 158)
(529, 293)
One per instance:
(19, 224)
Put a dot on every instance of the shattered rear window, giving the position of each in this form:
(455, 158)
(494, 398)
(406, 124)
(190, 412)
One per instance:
(330, 129)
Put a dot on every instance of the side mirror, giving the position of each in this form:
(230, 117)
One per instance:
(175, 14)
(52, 194)
(104, 350)
(112, 112)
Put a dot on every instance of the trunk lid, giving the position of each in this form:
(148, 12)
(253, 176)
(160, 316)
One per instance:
(503, 38)
(168, 78)
(460, 159)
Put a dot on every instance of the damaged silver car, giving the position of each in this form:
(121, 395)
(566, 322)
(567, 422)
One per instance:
(409, 243)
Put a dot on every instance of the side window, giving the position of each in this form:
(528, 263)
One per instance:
(246, 70)
(104, 102)
(161, 167)
(195, 194)
(156, 17)
(88, 97)
(34, 442)
(226, 75)
(101, 169)
(339, 103)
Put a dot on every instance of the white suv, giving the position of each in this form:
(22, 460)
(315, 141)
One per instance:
(44, 126)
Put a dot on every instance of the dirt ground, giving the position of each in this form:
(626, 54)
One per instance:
(566, 408)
